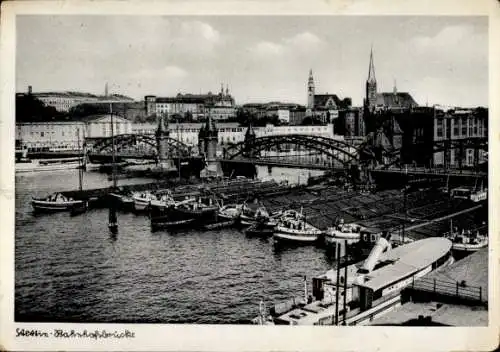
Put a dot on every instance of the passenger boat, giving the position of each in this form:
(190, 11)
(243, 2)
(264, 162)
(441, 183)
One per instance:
(230, 211)
(473, 194)
(296, 229)
(142, 200)
(47, 165)
(341, 232)
(467, 242)
(371, 287)
(55, 202)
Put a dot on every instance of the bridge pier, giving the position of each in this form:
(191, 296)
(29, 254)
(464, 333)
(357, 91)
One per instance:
(213, 166)
(165, 161)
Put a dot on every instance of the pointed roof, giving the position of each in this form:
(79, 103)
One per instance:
(371, 69)
(311, 79)
(250, 133)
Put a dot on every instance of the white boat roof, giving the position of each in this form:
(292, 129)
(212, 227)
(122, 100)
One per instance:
(408, 259)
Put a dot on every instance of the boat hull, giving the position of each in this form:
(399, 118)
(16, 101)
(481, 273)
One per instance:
(36, 167)
(295, 237)
(49, 207)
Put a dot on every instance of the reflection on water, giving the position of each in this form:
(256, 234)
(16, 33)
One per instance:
(74, 269)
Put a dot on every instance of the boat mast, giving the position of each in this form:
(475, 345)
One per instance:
(178, 150)
(80, 155)
(113, 144)
(113, 220)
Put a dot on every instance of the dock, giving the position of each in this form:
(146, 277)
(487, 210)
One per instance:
(456, 295)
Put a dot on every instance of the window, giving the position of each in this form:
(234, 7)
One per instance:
(41, 134)
(456, 131)
(439, 127)
(464, 126)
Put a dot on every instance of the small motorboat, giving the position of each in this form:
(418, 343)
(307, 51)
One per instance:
(55, 202)
(229, 212)
(342, 232)
(296, 229)
(142, 200)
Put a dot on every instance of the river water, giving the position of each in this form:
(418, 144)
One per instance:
(69, 269)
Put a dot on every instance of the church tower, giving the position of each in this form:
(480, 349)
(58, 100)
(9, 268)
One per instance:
(310, 91)
(371, 86)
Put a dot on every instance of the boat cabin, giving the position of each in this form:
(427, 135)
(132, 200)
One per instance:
(397, 268)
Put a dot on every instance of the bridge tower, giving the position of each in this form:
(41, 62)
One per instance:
(211, 139)
(249, 141)
(162, 136)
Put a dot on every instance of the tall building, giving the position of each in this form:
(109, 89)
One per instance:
(324, 106)
(394, 101)
(310, 91)
(371, 86)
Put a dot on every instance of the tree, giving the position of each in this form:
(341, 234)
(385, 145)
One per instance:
(29, 108)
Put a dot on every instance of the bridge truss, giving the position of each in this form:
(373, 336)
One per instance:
(138, 145)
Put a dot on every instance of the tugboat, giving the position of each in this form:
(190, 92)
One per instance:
(296, 229)
(342, 232)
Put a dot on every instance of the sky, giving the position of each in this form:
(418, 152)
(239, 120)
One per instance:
(438, 60)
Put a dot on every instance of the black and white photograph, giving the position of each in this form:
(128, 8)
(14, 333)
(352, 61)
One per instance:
(239, 169)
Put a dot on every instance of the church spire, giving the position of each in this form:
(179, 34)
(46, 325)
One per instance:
(371, 86)
(310, 91)
(371, 69)
(395, 89)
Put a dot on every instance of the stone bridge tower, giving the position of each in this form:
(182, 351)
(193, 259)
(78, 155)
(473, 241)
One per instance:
(211, 139)
(249, 142)
(162, 136)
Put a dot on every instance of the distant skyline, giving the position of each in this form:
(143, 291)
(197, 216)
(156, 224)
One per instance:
(439, 60)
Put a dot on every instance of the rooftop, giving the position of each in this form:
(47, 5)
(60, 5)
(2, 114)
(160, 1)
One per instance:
(407, 260)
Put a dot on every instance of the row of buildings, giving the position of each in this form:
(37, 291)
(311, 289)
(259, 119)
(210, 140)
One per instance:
(70, 134)
(395, 114)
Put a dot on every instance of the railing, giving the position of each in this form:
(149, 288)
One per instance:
(431, 170)
(449, 288)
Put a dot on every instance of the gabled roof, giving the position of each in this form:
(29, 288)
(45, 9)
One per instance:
(320, 100)
(396, 100)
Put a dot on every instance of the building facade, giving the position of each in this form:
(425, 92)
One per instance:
(68, 134)
(459, 124)
(45, 136)
(197, 106)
